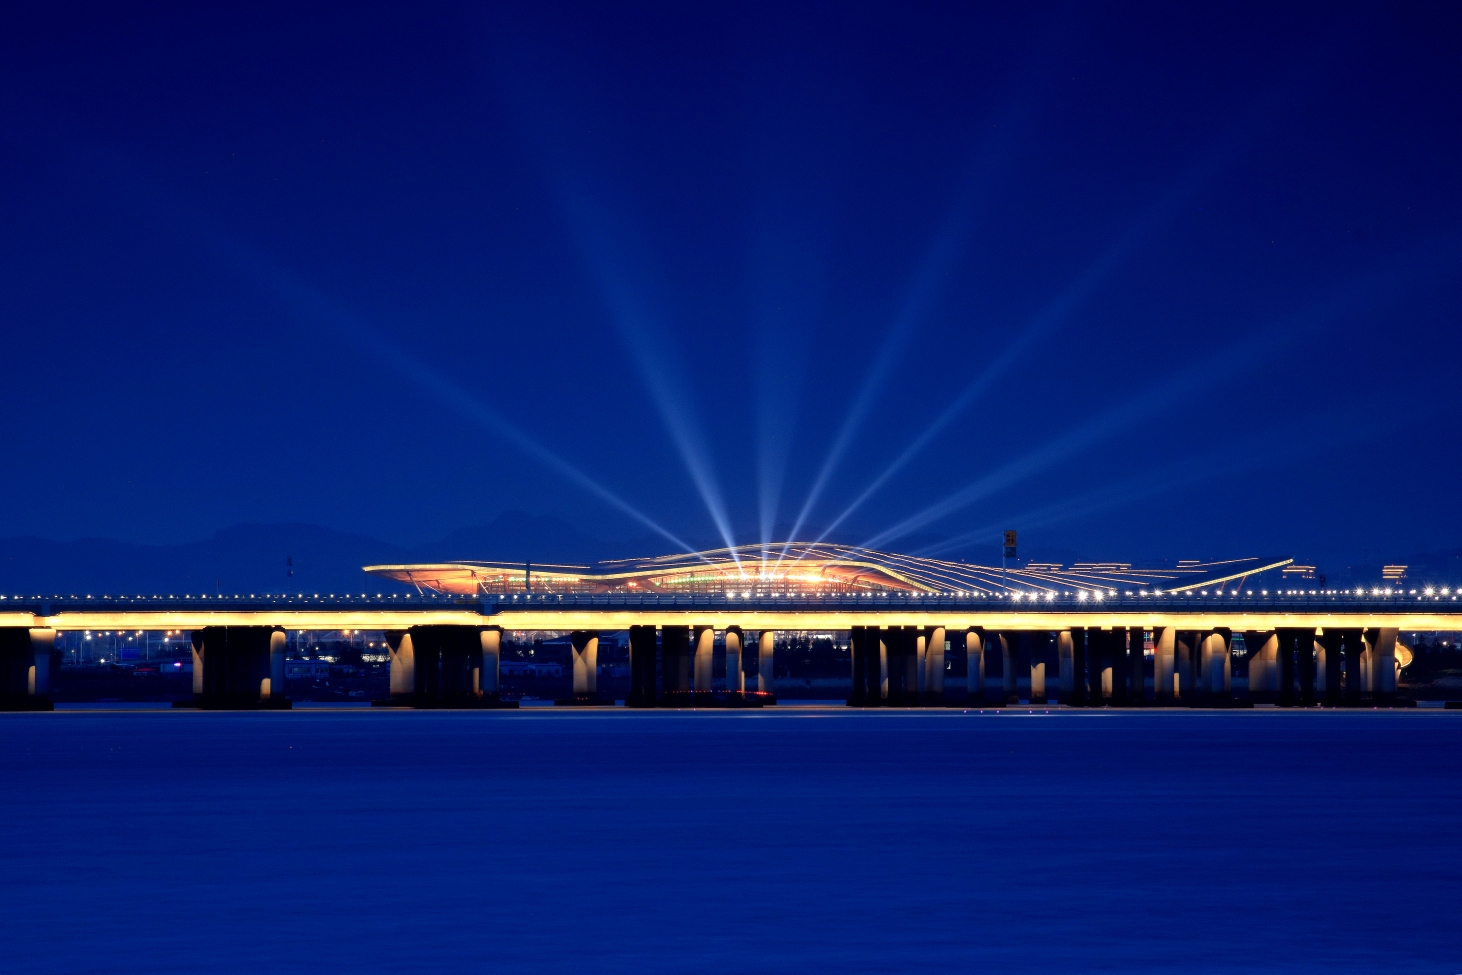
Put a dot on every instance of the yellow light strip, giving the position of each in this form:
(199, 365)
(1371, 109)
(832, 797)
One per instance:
(570, 619)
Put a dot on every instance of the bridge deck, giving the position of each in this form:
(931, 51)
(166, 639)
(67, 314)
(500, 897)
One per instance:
(547, 611)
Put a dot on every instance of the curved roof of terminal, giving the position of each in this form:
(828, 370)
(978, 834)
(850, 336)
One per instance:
(815, 567)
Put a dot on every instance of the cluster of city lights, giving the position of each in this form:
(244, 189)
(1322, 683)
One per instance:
(1449, 593)
(1084, 595)
(275, 596)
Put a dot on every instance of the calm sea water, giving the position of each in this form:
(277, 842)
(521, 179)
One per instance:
(792, 840)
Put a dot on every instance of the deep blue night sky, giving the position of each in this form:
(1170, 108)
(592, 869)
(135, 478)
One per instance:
(1147, 283)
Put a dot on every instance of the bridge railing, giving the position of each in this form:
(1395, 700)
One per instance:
(491, 604)
(1121, 602)
(253, 602)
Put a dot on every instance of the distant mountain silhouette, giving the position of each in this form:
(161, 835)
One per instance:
(1440, 568)
(514, 537)
(251, 558)
(242, 559)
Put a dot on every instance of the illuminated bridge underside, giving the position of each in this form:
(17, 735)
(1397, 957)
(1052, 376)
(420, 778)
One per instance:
(813, 568)
(445, 649)
(786, 613)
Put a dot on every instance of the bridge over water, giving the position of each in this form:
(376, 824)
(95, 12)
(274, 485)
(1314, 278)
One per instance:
(1302, 647)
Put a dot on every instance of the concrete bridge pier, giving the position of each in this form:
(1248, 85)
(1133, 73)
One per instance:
(1137, 666)
(921, 656)
(1215, 667)
(1120, 667)
(1115, 679)
(1199, 695)
(460, 652)
(1263, 650)
(1184, 651)
(857, 652)
(444, 667)
(1354, 651)
(704, 641)
(974, 665)
(913, 666)
(901, 654)
(1065, 681)
(1202, 670)
(893, 666)
(735, 677)
(1383, 666)
(884, 636)
(675, 661)
(876, 663)
(1164, 639)
(401, 667)
(1009, 652)
(1320, 669)
(641, 667)
(766, 674)
(25, 668)
(934, 639)
(1318, 643)
(1085, 651)
(488, 684)
(1296, 668)
(584, 645)
(1114, 660)
(990, 694)
(238, 668)
(1331, 656)
(874, 667)
(278, 654)
(1305, 653)
(1114, 666)
(1225, 674)
(1079, 654)
(1035, 647)
(891, 674)
(1284, 692)
(1097, 670)
(1366, 674)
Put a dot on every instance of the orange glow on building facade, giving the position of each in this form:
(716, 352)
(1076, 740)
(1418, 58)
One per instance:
(811, 568)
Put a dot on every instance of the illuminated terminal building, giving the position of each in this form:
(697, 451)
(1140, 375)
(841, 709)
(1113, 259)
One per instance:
(814, 568)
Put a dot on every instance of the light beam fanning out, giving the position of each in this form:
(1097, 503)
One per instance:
(1288, 445)
(1058, 311)
(922, 295)
(1361, 295)
(614, 257)
(317, 306)
(605, 245)
(1158, 214)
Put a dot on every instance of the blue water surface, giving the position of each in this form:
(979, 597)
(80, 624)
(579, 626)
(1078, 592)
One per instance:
(790, 840)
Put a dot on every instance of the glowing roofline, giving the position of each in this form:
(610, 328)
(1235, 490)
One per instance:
(839, 567)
